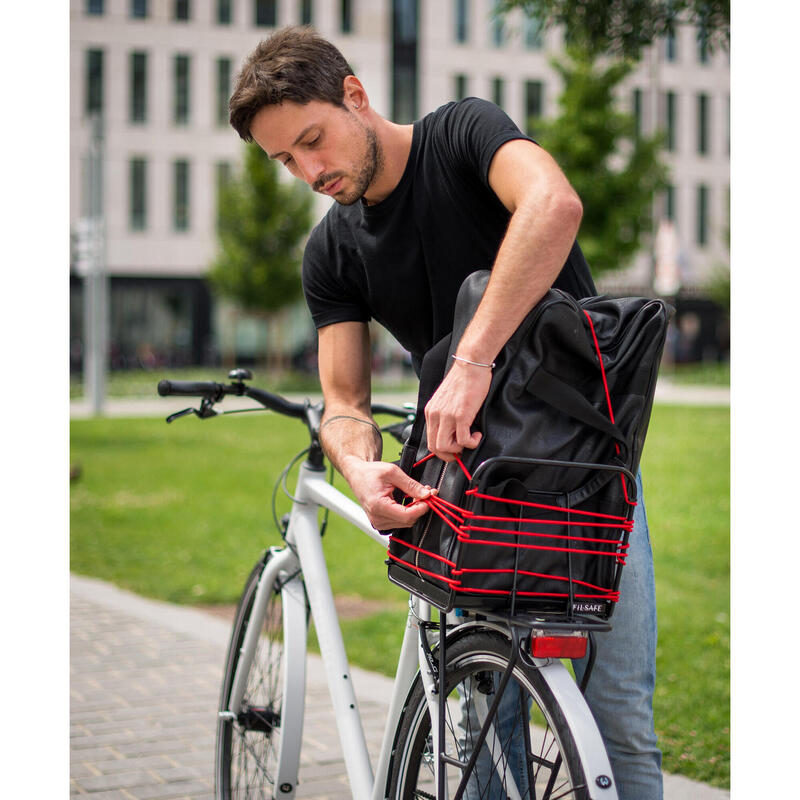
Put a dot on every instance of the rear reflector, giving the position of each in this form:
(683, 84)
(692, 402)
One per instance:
(558, 646)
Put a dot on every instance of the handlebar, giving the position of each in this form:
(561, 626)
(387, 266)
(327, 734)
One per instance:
(212, 392)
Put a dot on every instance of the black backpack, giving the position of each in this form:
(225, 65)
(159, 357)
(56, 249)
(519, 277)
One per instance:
(538, 515)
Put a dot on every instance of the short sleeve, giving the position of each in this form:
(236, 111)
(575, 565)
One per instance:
(328, 281)
(476, 130)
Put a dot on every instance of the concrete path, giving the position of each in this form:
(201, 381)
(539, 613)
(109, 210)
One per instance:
(144, 687)
(666, 392)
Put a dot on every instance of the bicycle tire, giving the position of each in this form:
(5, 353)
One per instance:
(246, 748)
(555, 766)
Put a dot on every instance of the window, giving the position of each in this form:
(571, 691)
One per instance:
(405, 18)
(668, 203)
(460, 87)
(182, 10)
(462, 21)
(224, 12)
(306, 12)
(498, 26)
(223, 89)
(137, 211)
(94, 7)
(223, 173)
(702, 124)
(701, 232)
(703, 55)
(266, 13)
(138, 9)
(671, 121)
(181, 195)
(94, 81)
(534, 104)
(498, 91)
(638, 112)
(181, 88)
(137, 110)
(534, 34)
(670, 47)
(346, 16)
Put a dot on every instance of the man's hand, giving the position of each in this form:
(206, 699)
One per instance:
(453, 408)
(374, 482)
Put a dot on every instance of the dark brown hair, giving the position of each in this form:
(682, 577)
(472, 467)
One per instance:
(294, 64)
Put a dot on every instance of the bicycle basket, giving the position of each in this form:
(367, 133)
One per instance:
(539, 514)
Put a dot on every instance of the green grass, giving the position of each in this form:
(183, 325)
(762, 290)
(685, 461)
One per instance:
(180, 512)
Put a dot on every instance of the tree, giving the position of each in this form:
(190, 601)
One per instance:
(262, 223)
(614, 171)
(624, 27)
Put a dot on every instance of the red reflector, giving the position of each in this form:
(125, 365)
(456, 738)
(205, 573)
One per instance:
(558, 646)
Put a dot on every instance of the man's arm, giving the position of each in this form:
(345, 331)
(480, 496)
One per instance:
(349, 435)
(545, 216)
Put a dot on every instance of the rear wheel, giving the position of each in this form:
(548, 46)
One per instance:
(530, 752)
(247, 747)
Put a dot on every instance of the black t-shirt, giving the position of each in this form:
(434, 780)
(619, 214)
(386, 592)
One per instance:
(403, 260)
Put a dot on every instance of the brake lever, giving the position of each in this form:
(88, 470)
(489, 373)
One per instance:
(178, 414)
(206, 410)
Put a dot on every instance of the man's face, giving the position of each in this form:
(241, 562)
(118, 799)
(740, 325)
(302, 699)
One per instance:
(328, 147)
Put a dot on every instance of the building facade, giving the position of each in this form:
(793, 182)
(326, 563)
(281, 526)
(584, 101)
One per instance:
(158, 73)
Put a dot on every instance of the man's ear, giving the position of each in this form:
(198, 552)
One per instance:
(355, 96)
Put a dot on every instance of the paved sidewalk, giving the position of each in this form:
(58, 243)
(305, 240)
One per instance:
(144, 683)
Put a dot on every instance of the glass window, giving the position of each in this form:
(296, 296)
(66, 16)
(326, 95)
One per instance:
(534, 34)
(266, 13)
(460, 87)
(702, 215)
(138, 9)
(137, 111)
(462, 21)
(182, 10)
(181, 195)
(346, 16)
(638, 112)
(224, 12)
(405, 20)
(223, 89)
(703, 54)
(671, 121)
(498, 91)
(137, 213)
(181, 89)
(94, 7)
(94, 81)
(223, 173)
(534, 104)
(306, 12)
(668, 203)
(498, 26)
(670, 46)
(703, 102)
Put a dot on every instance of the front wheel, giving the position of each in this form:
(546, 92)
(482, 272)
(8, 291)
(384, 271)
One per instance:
(529, 752)
(247, 746)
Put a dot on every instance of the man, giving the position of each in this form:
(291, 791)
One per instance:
(418, 208)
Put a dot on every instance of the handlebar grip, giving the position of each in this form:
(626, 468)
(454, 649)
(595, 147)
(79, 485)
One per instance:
(189, 388)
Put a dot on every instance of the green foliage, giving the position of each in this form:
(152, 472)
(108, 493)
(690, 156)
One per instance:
(614, 171)
(624, 27)
(262, 223)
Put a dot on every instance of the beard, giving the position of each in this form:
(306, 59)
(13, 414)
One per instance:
(363, 172)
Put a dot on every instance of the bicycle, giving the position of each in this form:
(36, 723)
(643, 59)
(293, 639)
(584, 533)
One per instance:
(436, 744)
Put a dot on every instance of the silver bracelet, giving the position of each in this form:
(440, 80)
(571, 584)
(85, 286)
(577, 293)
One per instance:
(474, 363)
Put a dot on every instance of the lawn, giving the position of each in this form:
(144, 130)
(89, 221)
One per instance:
(180, 512)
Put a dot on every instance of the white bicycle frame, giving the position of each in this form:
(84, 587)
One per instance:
(306, 574)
